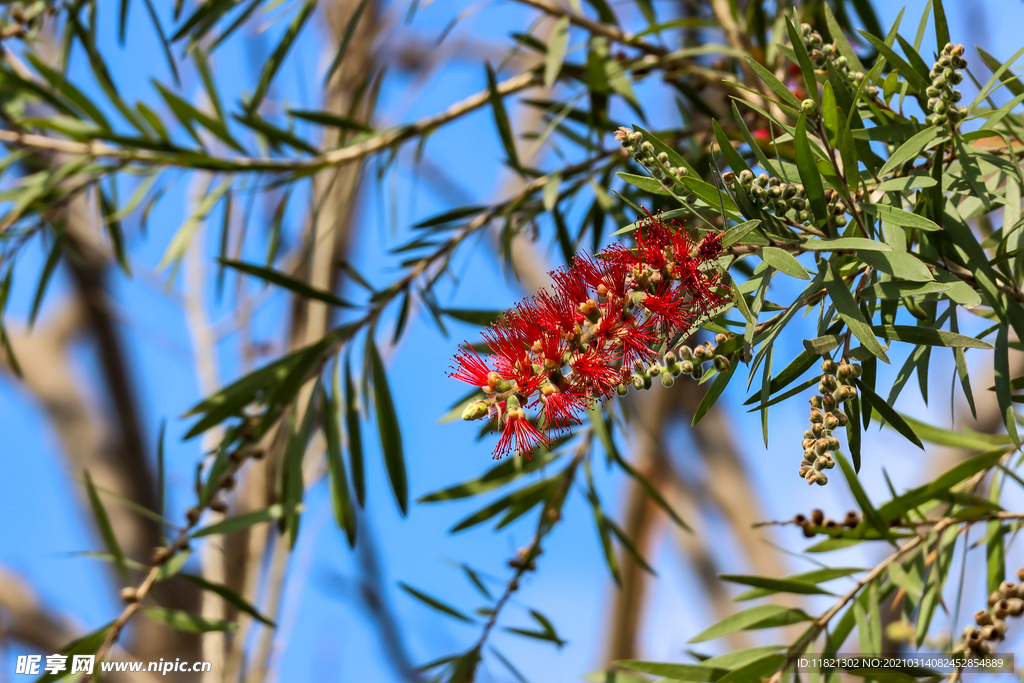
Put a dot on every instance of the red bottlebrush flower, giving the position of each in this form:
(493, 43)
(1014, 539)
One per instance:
(682, 243)
(607, 277)
(594, 372)
(636, 340)
(509, 349)
(562, 408)
(570, 286)
(518, 434)
(554, 312)
(472, 369)
(668, 308)
(711, 247)
(552, 348)
(652, 236)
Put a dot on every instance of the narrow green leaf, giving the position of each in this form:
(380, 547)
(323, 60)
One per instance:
(784, 262)
(809, 175)
(434, 603)
(860, 495)
(896, 216)
(927, 336)
(714, 391)
(804, 61)
(230, 597)
(353, 429)
(850, 312)
(776, 585)
(106, 530)
(557, 44)
(344, 511)
(773, 83)
(44, 279)
(747, 619)
(1002, 377)
(187, 622)
(845, 244)
(501, 118)
(888, 413)
(243, 521)
(273, 63)
(911, 149)
(390, 432)
(288, 282)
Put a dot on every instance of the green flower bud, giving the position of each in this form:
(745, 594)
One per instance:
(622, 389)
(686, 367)
(841, 418)
(685, 352)
(475, 411)
(828, 366)
(809, 107)
(667, 379)
(722, 363)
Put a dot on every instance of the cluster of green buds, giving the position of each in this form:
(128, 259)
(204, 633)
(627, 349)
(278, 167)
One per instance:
(1007, 601)
(836, 209)
(682, 361)
(813, 523)
(657, 163)
(772, 194)
(826, 417)
(942, 98)
(821, 53)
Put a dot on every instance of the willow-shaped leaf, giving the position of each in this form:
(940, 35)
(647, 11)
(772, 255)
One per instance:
(501, 118)
(273, 63)
(1002, 377)
(807, 165)
(353, 430)
(229, 596)
(434, 603)
(387, 424)
(751, 618)
(344, 511)
(288, 282)
(186, 621)
(557, 44)
(851, 314)
(106, 530)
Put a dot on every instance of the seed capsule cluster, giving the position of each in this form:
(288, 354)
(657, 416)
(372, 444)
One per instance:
(942, 98)
(821, 53)
(819, 443)
(817, 520)
(1007, 601)
(682, 361)
(657, 163)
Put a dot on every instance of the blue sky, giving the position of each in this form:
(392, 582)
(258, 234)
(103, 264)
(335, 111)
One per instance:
(323, 632)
